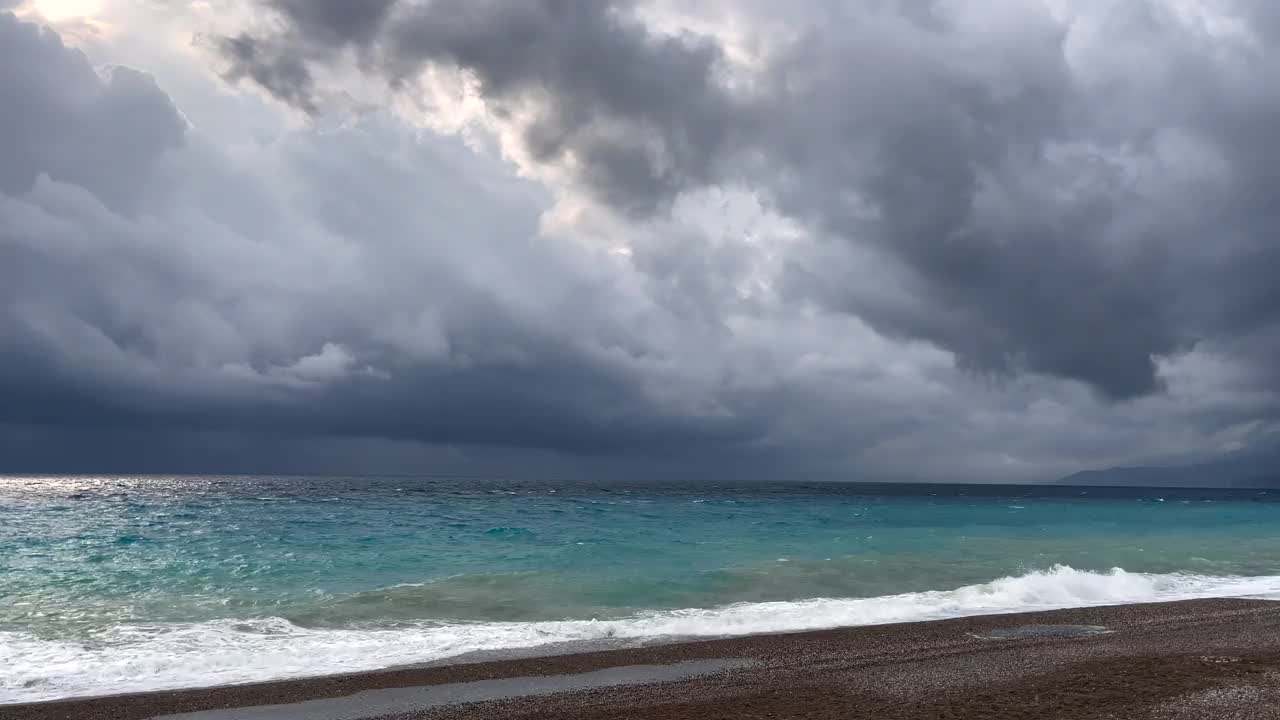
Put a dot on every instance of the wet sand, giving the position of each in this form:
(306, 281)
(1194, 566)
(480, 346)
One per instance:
(1203, 659)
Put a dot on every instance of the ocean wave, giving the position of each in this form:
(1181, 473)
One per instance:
(165, 656)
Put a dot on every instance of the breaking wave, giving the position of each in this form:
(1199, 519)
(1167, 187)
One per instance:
(131, 658)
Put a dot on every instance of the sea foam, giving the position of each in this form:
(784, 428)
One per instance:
(165, 656)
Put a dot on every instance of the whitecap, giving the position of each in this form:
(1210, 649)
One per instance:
(165, 656)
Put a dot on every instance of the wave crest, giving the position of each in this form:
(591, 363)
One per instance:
(154, 657)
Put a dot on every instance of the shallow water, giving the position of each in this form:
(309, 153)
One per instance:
(113, 584)
(385, 702)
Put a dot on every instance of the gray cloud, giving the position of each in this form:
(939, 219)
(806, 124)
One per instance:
(297, 294)
(276, 71)
(335, 21)
(1035, 196)
(877, 240)
(61, 113)
(640, 115)
(319, 29)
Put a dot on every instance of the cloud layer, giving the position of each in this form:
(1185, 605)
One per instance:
(900, 240)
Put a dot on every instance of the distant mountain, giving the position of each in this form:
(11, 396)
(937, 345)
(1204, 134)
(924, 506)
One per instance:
(1251, 471)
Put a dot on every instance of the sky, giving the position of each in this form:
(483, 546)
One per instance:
(930, 240)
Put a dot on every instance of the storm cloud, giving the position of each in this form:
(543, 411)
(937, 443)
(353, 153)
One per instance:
(896, 240)
(218, 306)
(1027, 184)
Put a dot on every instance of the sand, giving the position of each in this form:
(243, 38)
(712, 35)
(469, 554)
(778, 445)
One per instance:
(1210, 659)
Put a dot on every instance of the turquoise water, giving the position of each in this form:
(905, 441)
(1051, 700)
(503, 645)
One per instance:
(112, 584)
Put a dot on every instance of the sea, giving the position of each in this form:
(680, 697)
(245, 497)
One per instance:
(122, 584)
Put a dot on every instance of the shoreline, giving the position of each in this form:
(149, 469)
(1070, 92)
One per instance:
(1180, 648)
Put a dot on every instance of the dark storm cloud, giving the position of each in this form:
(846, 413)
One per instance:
(639, 115)
(940, 161)
(759, 253)
(63, 120)
(1006, 163)
(277, 71)
(335, 21)
(148, 282)
(320, 28)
